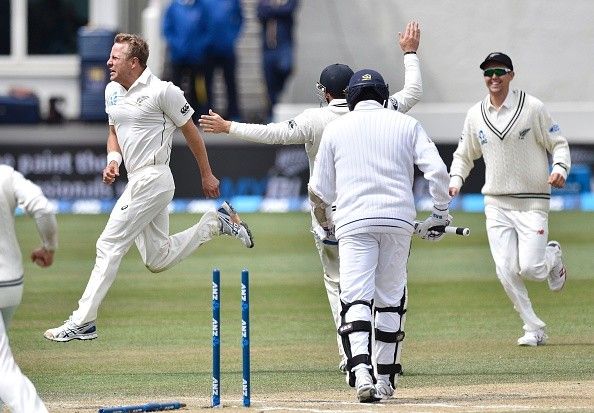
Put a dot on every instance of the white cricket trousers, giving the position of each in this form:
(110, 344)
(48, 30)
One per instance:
(16, 390)
(373, 267)
(518, 242)
(330, 265)
(141, 215)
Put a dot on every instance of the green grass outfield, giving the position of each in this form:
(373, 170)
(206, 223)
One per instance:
(154, 329)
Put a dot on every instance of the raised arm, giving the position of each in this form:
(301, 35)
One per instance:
(412, 91)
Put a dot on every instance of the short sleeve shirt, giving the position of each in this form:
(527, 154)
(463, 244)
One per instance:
(145, 117)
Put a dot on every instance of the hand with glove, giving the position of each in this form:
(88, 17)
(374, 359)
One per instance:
(432, 228)
(326, 234)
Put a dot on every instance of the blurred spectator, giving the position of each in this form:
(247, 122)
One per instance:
(186, 30)
(276, 17)
(226, 18)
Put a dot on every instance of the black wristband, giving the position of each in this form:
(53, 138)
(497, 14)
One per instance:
(410, 53)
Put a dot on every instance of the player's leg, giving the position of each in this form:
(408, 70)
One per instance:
(539, 260)
(532, 229)
(134, 210)
(161, 251)
(16, 390)
(503, 242)
(390, 310)
(357, 273)
(330, 266)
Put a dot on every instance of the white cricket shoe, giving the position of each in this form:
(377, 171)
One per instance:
(232, 225)
(558, 274)
(364, 386)
(384, 389)
(342, 366)
(72, 331)
(533, 338)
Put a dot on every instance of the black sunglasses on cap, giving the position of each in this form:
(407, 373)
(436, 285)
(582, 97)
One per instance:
(497, 71)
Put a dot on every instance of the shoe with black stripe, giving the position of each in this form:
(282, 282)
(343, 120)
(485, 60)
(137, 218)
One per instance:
(72, 331)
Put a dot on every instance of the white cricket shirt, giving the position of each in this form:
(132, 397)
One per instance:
(365, 165)
(145, 117)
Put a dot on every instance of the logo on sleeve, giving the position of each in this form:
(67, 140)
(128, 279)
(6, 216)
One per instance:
(185, 109)
(292, 124)
(555, 128)
(394, 103)
(112, 99)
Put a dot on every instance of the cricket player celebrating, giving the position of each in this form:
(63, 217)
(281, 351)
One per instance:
(307, 128)
(143, 114)
(365, 166)
(513, 132)
(16, 390)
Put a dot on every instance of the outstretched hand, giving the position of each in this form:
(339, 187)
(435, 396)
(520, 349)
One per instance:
(409, 41)
(214, 123)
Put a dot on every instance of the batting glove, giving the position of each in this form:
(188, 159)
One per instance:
(326, 235)
(431, 229)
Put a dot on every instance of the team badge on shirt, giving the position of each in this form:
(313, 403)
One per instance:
(112, 99)
(482, 137)
(555, 128)
(185, 109)
(141, 99)
(524, 132)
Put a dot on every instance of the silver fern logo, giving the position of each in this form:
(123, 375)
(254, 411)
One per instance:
(482, 137)
(524, 132)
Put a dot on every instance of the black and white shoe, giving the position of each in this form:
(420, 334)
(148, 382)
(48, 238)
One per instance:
(72, 331)
(232, 225)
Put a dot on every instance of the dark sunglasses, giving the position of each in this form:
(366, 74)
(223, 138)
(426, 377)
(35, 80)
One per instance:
(497, 71)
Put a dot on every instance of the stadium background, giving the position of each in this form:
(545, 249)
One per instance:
(547, 41)
(155, 330)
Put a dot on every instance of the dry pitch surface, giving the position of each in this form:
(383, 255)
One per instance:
(576, 396)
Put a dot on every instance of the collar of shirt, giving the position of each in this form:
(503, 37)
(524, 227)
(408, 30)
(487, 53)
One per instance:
(337, 102)
(501, 117)
(143, 78)
(368, 104)
(508, 104)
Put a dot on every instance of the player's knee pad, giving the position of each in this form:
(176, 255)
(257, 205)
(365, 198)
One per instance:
(362, 323)
(391, 321)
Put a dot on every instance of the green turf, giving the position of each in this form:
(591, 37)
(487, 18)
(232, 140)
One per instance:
(154, 329)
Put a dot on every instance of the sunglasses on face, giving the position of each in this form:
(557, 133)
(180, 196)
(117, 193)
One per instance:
(497, 71)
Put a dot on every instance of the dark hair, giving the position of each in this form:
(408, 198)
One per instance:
(369, 94)
(137, 46)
